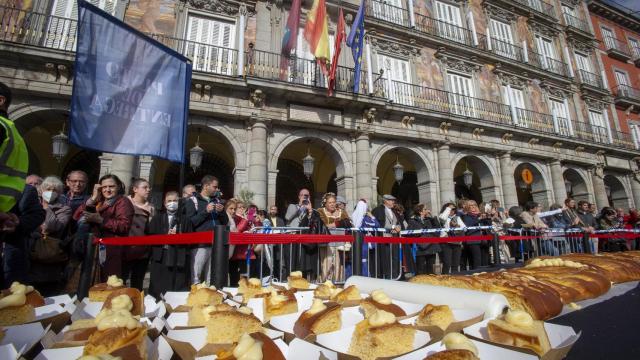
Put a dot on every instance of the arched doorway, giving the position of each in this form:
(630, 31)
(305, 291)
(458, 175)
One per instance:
(218, 160)
(405, 190)
(291, 177)
(575, 185)
(473, 180)
(530, 185)
(616, 194)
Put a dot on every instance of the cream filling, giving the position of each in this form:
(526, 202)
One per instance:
(117, 319)
(518, 318)
(248, 349)
(381, 317)
(17, 299)
(114, 281)
(255, 282)
(316, 307)
(380, 297)
(275, 298)
(536, 263)
(16, 287)
(457, 341)
(121, 302)
(296, 274)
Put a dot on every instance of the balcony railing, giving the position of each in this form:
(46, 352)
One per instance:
(19, 26)
(589, 78)
(534, 120)
(626, 91)
(617, 48)
(386, 12)
(505, 49)
(547, 63)
(204, 57)
(564, 126)
(542, 7)
(450, 103)
(444, 30)
(576, 23)
(623, 140)
(592, 133)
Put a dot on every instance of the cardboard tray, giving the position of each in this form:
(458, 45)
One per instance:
(192, 343)
(463, 318)
(285, 323)
(176, 301)
(152, 308)
(157, 350)
(339, 341)
(485, 351)
(562, 339)
(21, 339)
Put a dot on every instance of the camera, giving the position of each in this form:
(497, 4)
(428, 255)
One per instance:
(306, 200)
(217, 198)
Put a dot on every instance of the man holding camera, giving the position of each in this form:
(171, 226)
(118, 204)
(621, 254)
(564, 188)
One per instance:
(205, 213)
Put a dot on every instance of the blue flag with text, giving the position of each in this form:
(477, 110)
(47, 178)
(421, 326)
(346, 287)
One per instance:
(130, 92)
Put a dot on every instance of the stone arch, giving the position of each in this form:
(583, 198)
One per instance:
(579, 184)
(617, 193)
(540, 189)
(484, 186)
(19, 112)
(344, 166)
(332, 149)
(222, 129)
(425, 173)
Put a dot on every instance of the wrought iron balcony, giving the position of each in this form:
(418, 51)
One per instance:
(564, 127)
(383, 11)
(42, 30)
(590, 79)
(547, 63)
(507, 50)
(636, 55)
(616, 48)
(445, 30)
(625, 96)
(591, 133)
(534, 120)
(573, 22)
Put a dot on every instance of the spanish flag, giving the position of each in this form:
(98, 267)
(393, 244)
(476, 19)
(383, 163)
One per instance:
(316, 32)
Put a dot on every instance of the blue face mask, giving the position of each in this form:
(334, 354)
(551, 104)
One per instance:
(172, 206)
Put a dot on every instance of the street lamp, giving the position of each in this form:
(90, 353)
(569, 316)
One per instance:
(60, 144)
(308, 163)
(195, 155)
(398, 171)
(568, 186)
(467, 176)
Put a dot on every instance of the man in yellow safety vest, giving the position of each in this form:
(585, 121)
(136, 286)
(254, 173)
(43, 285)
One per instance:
(14, 163)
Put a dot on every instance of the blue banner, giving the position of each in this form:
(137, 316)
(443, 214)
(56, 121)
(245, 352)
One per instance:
(355, 41)
(130, 92)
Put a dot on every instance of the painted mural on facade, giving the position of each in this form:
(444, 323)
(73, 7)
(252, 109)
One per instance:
(152, 16)
(26, 5)
(428, 70)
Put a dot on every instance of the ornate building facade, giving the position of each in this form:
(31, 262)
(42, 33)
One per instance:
(493, 99)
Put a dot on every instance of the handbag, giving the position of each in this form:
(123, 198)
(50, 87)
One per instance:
(46, 249)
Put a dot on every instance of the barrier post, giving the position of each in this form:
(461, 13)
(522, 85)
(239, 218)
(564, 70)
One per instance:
(496, 248)
(586, 243)
(86, 270)
(220, 263)
(356, 261)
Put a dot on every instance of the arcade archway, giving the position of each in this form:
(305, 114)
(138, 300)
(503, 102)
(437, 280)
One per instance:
(473, 180)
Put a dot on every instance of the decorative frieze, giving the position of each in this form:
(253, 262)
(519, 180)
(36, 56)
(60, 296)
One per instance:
(257, 98)
(543, 30)
(221, 6)
(499, 13)
(450, 62)
(393, 47)
(506, 138)
(594, 104)
(407, 121)
(581, 46)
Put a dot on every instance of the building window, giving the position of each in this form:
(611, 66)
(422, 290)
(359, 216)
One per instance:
(547, 52)
(461, 94)
(391, 11)
(622, 79)
(209, 44)
(599, 127)
(305, 70)
(609, 38)
(561, 113)
(515, 97)
(635, 47)
(398, 74)
(502, 41)
(449, 24)
(585, 72)
(635, 134)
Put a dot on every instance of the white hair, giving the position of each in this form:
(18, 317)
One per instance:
(52, 181)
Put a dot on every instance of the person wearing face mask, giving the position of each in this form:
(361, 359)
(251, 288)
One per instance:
(169, 264)
(47, 249)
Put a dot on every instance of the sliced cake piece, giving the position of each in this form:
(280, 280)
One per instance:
(319, 319)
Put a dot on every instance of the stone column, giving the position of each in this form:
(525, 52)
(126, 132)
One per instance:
(557, 181)
(258, 163)
(363, 168)
(445, 174)
(599, 192)
(122, 166)
(509, 192)
(272, 179)
(635, 188)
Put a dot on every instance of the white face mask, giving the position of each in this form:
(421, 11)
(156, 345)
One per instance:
(172, 206)
(49, 196)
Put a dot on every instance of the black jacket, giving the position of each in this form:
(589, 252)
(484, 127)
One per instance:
(588, 219)
(167, 255)
(472, 220)
(379, 214)
(200, 219)
(30, 213)
(418, 223)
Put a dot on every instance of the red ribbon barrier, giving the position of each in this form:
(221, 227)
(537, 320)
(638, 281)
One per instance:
(617, 236)
(204, 237)
(250, 239)
(430, 240)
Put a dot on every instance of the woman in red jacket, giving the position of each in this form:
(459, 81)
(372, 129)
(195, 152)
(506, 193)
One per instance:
(238, 223)
(110, 214)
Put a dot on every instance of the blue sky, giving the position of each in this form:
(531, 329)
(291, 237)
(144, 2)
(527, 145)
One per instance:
(631, 4)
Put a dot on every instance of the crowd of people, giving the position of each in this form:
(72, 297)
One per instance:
(56, 217)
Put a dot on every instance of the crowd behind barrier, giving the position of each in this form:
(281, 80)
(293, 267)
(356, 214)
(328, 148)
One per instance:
(199, 236)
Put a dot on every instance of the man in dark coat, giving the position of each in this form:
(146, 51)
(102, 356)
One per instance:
(388, 259)
(30, 215)
(169, 263)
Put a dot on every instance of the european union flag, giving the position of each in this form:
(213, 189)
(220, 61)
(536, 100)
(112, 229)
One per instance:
(130, 92)
(355, 41)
